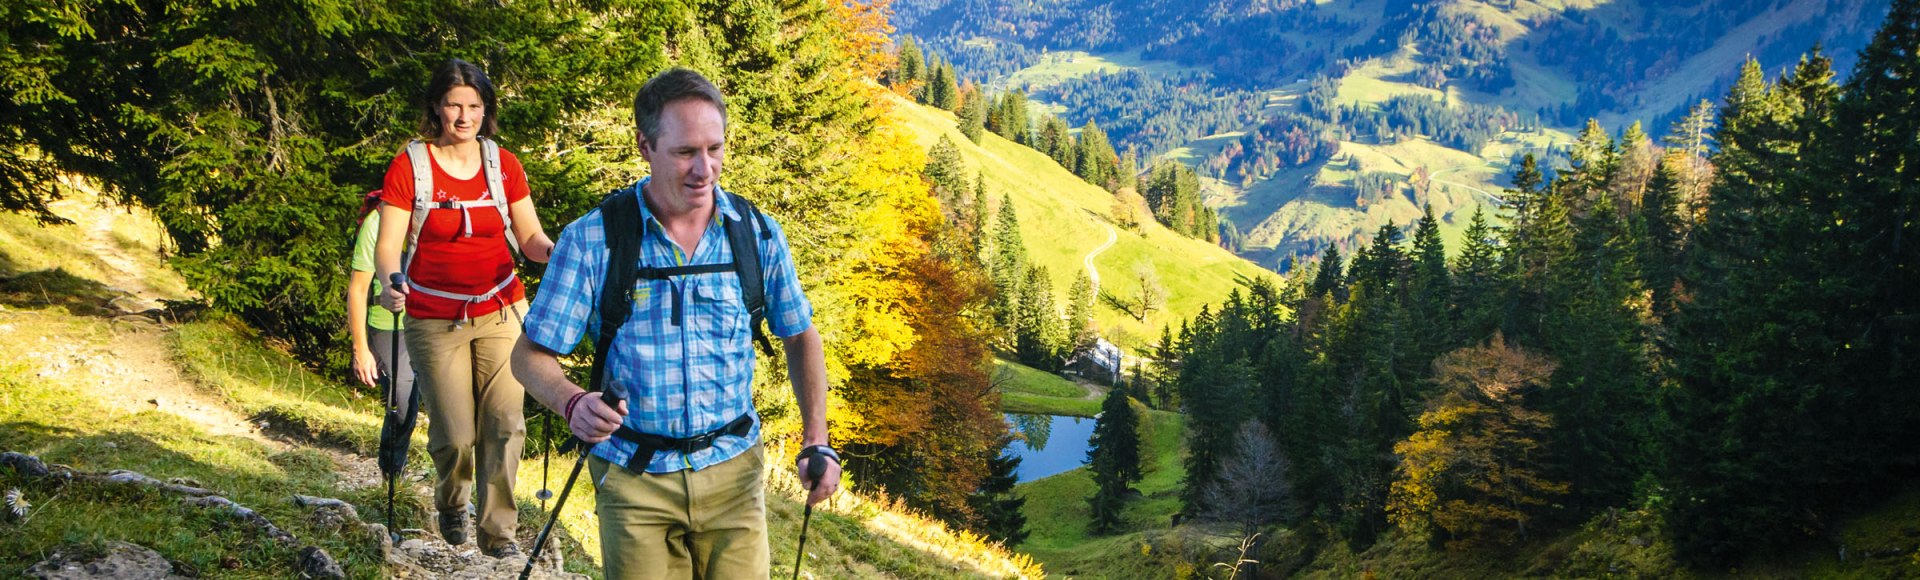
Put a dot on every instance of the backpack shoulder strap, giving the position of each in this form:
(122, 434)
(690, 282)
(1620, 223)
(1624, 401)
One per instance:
(497, 189)
(746, 264)
(620, 226)
(422, 199)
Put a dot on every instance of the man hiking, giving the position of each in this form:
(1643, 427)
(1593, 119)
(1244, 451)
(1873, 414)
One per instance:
(677, 462)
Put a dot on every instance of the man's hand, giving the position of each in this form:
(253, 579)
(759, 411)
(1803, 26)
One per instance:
(365, 367)
(829, 482)
(593, 421)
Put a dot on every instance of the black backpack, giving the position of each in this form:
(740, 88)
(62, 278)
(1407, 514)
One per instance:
(620, 220)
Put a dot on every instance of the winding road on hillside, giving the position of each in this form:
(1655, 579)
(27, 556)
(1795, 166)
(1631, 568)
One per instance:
(1436, 179)
(1092, 272)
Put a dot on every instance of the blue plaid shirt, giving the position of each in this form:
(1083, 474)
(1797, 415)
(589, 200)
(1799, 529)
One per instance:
(678, 380)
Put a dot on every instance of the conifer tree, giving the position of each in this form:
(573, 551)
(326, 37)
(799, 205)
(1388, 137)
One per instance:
(1080, 313)
(911, 72)
(1662, 226)
(996, 502)
(1329, 279)
(1013, 123)
(1594, 157)
(977, 217)
(946, 172)
(1480, 293)
(1008, 268)
(1431, 290)
(1056, 140)
(973, 113)
(1113, 456)
(1039, 336)
(1094, 159)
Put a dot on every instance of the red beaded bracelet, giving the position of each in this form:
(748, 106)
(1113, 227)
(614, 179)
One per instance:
(568, 414)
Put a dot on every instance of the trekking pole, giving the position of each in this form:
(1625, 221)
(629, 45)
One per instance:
(540, 541)
(393, 403)
(815, 472)
(546, 436)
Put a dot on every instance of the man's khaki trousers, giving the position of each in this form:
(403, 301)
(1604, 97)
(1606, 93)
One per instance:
(710, 523)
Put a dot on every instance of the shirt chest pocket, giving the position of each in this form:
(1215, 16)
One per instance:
(714, 305)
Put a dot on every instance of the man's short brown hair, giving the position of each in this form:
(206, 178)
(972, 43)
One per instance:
(672, 85)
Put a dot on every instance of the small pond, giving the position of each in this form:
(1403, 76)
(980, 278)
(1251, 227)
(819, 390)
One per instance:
(1048, 444)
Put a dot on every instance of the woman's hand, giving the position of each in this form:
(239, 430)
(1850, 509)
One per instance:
(365, 367)
(394, 298)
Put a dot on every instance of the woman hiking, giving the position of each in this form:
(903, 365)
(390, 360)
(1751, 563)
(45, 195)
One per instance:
(456, 208)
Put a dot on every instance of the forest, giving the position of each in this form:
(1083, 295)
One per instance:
(1153, 114)
(251, 132)
(1722, 341)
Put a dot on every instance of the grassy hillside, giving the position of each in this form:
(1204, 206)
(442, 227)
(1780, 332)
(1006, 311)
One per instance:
(208, 401)
(1024, 389)
(1062, 219)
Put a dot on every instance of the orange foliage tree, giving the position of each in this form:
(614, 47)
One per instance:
(1472, 473)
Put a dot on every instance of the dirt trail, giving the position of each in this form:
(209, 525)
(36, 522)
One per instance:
(127, 362)
(1094, 273)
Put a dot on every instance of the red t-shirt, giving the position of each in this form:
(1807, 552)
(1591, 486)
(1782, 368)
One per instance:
(447, 260)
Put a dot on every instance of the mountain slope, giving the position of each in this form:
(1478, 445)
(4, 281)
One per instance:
(1549, 63)
(1063, 219)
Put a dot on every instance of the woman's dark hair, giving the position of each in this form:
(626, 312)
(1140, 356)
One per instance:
(672, 85)
(457, 73)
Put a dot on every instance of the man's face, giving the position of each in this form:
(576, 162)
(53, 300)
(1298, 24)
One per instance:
(686, 155)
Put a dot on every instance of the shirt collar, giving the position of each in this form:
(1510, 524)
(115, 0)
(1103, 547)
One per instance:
(721, 202)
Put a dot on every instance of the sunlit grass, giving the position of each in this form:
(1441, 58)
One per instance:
(55, 415)
(857, 536)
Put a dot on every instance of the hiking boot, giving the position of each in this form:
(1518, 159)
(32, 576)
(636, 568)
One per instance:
(453, 526)
(503, 551)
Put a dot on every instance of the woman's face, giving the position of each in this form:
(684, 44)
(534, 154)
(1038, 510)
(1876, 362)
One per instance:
(461, 113)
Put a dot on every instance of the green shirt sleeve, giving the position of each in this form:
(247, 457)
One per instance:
(364, 241)
(377, 317)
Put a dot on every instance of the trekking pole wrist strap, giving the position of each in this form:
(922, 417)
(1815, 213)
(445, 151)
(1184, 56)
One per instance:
(826, 451)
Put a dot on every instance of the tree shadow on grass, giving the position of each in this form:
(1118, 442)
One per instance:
(57, 287)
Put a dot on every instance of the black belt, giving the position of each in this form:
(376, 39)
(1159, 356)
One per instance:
(650, 444)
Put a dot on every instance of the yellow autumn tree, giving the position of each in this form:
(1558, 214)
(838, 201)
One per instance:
(1472, 474)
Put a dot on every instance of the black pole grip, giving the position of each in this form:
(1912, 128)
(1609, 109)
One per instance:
(816, 470)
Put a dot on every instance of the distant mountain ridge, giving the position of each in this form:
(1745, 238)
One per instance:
(1545, 66)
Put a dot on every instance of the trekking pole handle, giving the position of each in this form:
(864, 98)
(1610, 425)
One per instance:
(396, 280)
(816, 470)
